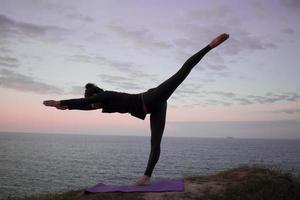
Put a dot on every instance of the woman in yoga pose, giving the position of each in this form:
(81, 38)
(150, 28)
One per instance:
(153, 102)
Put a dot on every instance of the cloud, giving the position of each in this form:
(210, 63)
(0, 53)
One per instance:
(12, 29)
(243, 101)
(141, 37)
(268, 98)
(4, 49)
(80, 17)
(126, 75)
(85, 59)
(77, 90)
(188, 89)
(208, 80)
(184, 43)
(292, 96)
(292, 4)
(273, 98)
(230, 98)
(222, 74)
(121, 82)
(218, 102)
(218, 19)
(224, 98)
(288, 31)
(220, 93)
(216, 67)
(212, 14)
(240, 40)
(10, 62)
(14, 80)
(238, 129)
(128, 70)
(187, 94)
(288, 111)
(263, 99)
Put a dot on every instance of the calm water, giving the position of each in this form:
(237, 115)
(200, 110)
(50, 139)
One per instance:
(41, 163)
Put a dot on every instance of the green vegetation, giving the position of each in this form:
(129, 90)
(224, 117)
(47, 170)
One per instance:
(252, 183)
(242, 183)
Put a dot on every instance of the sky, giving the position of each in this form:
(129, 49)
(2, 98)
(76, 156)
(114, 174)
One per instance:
(248, 87)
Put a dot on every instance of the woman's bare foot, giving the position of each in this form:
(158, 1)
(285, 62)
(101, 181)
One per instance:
(144, 180)
(218, 40)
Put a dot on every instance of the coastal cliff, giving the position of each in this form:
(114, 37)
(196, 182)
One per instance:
(245, 182)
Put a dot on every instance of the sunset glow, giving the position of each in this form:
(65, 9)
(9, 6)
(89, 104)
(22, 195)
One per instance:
(51, 49)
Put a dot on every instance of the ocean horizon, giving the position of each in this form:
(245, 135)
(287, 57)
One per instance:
(33, 163)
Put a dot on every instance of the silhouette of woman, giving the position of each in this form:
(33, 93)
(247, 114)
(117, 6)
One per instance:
(153, 102)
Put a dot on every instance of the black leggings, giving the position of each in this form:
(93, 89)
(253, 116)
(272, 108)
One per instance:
(156, 102)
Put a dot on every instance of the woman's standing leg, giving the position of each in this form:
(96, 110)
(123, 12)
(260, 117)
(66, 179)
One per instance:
(156, 103)
(157, 125)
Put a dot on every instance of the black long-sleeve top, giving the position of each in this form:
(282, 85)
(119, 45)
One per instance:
(111, 102)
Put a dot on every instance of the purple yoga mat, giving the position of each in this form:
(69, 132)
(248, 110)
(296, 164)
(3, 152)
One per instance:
(156, 186)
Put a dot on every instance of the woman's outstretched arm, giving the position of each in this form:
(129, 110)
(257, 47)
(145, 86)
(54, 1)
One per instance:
(87, 103)
(56, 104)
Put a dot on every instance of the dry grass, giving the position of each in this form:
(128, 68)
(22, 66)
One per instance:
(79, 195)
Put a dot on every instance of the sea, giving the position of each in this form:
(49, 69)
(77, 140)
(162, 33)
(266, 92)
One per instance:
(32, 163)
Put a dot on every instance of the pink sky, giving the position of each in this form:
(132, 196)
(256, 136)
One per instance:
(50, 49)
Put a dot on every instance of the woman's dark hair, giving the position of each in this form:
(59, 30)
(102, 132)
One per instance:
(91, 89)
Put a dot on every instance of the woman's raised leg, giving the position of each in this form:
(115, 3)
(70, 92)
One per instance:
(166, 89)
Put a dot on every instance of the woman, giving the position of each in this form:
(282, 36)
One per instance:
(153, 102)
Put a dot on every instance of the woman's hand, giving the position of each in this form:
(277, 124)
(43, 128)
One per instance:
(96, 105)
(51, 103)
(62, 107)
(56, 104)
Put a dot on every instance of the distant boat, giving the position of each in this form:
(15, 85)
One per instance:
(229, 137)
